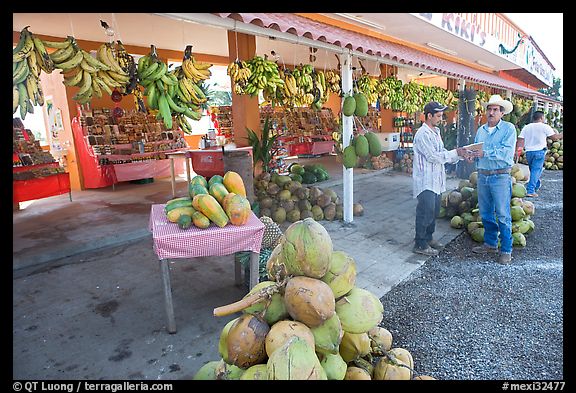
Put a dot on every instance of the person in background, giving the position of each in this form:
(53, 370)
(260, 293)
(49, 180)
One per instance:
(533, 139)
(429, 177)
(494, 184)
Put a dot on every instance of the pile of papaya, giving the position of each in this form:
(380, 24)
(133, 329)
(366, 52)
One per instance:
(220, 200)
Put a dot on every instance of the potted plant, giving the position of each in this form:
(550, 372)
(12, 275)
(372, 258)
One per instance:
(262, 147)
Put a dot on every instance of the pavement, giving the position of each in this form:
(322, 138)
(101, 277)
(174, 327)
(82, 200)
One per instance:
(87, 293)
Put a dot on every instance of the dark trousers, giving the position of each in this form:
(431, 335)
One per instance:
(427, 210)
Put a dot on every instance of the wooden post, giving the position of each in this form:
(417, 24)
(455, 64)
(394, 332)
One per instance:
(245, 110)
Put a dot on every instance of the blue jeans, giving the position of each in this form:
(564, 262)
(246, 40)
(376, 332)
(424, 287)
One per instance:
(536, 164)
(427, 210)
(494, 194)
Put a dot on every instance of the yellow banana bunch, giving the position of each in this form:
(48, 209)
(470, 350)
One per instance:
(195, 71)
(333, 82)
(114, 77)
(128, 65)
(30, 58)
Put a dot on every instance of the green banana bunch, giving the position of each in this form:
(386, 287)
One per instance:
(264, 75)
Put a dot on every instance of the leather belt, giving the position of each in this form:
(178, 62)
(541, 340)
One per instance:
(493, 171)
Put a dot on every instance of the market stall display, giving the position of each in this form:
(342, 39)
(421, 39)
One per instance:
(35, 172)
(121, 148)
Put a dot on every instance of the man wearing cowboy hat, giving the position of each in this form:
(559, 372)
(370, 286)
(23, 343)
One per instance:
(494, 184)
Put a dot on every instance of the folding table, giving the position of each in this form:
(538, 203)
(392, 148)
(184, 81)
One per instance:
(171, 242)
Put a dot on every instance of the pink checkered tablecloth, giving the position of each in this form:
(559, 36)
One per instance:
(172, 242)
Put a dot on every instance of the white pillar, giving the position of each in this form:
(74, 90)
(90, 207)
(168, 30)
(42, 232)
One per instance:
(347, 173)
(509, 95)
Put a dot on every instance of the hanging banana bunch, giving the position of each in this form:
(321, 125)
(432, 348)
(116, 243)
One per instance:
(333, 82)
(239, 72)
(29, 59)
(159, 85)
(304, 84)
(368, 86)
(128, 65)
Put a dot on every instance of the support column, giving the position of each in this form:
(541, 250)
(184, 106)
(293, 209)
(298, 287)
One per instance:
(347, 173)
(466, 127)
(245, 110)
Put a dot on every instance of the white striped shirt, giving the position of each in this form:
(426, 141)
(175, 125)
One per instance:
(429, 158)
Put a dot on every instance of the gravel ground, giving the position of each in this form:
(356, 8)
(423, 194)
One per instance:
(465, 317)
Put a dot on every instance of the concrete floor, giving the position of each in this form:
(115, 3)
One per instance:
(87, 293)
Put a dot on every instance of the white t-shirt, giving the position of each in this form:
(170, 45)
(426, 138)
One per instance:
(535, 135)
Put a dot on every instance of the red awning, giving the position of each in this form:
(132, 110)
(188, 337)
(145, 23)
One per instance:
(303, 27)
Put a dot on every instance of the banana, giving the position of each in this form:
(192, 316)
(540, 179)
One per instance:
(21, 72)
(103, 85)
(15, 98)
(21, 52)
(96, 88)
(62, 55)
(108, 79)
(152, 96)
(161, 70)
(164, 109)
(94, 62)
(32, 88)
(104, 54)
(43, 58)
(73, 62)
(40, 95)
(86, 83)
(59, 44)
(167, 80)
(194, 115)
(143, 63)
(87, 67)
(173, 106)
(120, 78)
(74, 79)
(22, 100)
(146, 72)
(33, 65)
(199, 92)
(183, 92)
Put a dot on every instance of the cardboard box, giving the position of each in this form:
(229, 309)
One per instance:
(389, 140)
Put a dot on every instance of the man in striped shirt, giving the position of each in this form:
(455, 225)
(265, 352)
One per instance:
(429, 176)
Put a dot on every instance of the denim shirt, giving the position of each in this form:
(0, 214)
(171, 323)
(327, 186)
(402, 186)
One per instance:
(499, 146)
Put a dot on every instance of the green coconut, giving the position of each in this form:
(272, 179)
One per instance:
(518, 239)
(380, 340)
(257, 372)
(222, 343)
(517, 213)
(225, 371)
(359, 310)
(246, 341)
(334, 366)
(295, 360)
(471, 227)
(518, 190)
(281, 331)
(275, 308)
(478, 235)
(275, 266)
(328, 335)
(207, 372)
(528, 208)
(354, 346)
(457, 222)
(341, 276)
(309, 300)
(307, 248)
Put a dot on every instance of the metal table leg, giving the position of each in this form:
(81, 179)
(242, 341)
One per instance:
(165, 269)
(254, 269)
(173, 177)
(238, 272)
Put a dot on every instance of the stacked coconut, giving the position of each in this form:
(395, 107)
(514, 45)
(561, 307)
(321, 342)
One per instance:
(309, 322)
(404, 164)
(286, 200)
(461, 207)
(554, 159)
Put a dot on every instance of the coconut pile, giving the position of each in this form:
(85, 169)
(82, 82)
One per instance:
(461, 207)
(554, 159)
(310, 321)
(286, 200)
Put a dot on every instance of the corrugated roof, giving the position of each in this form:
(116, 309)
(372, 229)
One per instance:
(303, 27)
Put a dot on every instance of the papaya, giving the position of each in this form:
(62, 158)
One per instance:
(174, 214)
(218, 191)
(215, 179)
(199, 179)
(200, 220)
(348, 106)
(209, 206)
(361, 105)
(238, 210)
(374, 145)
(349, 158)
(234, 183)
(226, 200)
(185, 221)
(361, 146)
(195, 189)
(175, 203)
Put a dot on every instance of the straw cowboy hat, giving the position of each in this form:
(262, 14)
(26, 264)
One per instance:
(497, 100)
